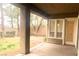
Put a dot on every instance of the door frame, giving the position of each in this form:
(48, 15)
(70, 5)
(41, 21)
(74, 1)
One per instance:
(65, 42)
(74, 43)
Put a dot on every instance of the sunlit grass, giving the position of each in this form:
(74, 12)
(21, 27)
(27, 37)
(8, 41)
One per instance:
(7, 44)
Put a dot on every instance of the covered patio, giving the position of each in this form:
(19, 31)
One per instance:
(60, 45)
(48, 49)
(62, 32)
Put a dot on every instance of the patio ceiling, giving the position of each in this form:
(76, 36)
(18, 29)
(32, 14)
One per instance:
(56, 10)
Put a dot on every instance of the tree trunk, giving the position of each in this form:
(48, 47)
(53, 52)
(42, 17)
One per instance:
(18, 26)
(39, 25)
(12, 22)
(2, 19)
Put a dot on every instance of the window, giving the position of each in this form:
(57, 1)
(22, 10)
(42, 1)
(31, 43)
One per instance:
(52, 28)
(56, 28)
(59, 28)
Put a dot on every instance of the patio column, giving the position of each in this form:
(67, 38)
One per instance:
(25, 30)
(78, 38)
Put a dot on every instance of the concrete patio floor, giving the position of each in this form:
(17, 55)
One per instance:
(36, 40)
(48, 49)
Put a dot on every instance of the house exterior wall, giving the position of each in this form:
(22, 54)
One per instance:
(75, 32)
(54, 41)
(78, 38)
(59, 41)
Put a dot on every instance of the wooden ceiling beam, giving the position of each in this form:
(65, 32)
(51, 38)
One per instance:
(36, 10)
(64, 15)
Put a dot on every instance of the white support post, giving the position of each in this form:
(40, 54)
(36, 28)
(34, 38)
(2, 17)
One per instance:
(63, 34)
(55, 27)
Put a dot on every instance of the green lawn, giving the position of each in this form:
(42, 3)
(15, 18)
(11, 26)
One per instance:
(9, 44)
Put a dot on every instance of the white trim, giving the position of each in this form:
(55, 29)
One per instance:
(63, 35)
(55, 27)
(48, 27)
(55, 37)
(47, 30)
(76, 44)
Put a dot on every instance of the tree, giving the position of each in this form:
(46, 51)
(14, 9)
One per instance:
(2, 18)
(13, 12)
(38, 24)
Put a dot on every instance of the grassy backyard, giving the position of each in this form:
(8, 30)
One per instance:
(9, 45)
